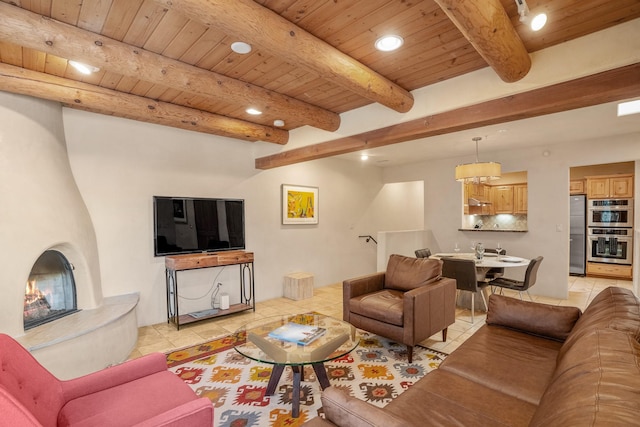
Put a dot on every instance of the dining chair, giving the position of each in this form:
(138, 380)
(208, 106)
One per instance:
(423, 253)
(520, 285)
(464, 272)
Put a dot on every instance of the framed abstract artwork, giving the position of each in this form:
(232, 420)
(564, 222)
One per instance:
(299, 204)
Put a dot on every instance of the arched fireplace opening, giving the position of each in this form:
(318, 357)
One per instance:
(51, 290)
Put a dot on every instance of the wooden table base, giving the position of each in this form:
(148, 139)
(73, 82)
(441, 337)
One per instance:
(298, 376)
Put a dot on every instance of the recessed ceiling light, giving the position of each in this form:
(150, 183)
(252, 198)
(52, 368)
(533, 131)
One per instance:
(627, 108)
(278, 123)
(253, 111)
(538, 21)
(364, 157)
(84, 69)
(241, 47)
(389, 43)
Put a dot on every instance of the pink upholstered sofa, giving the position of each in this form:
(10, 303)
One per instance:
(140, 392)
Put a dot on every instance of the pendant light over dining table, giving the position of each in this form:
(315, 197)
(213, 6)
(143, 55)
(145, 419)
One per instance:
(479, 171)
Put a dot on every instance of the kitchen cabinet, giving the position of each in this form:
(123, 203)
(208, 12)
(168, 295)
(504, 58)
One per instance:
(480, 192)
(502, 199)
(520, 199)
(610, 186)
(576, 186)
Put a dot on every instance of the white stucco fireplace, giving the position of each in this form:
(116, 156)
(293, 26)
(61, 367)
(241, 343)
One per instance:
(42, 210)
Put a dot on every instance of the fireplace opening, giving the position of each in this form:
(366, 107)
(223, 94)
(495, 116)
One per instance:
(50, 292)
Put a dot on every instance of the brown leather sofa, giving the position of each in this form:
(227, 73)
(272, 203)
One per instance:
(531, 364)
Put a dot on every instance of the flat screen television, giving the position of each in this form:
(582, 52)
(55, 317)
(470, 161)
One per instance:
(189, 225)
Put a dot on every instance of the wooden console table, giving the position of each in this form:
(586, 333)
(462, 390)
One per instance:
(176, 263)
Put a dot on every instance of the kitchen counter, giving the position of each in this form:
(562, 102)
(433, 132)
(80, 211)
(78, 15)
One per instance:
(498, 230)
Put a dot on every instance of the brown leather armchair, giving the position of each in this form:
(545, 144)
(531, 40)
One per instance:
(408, 303)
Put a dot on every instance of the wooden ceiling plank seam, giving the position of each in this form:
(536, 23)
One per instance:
(55, 65)
(432, 47)
(608, 86)
(141, 88)
(32, 29)
(110, 80)
(280, 37)
(33, 60)
(386, 18)
(416, 25)
(188, 35)
(171, 24)
(66, 11)
(356, 22)
(583, 26)
(201, 47)
(72, 93)
(11, 54)
(120, 18)
(42, 7)
(93, 14)
(298, 10)
(144, 23)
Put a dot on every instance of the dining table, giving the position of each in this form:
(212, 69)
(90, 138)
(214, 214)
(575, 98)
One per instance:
(489, 260)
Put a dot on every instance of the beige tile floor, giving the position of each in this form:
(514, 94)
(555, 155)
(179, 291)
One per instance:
(163, 337)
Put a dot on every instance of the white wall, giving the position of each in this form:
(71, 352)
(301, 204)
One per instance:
(548, 191)
(120, 164)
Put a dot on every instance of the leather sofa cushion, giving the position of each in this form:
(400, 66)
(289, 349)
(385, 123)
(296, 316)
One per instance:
(549, 321)
(516, 364)
(597, 383)
(384, 305)
(406, 273)
(613, 308)
(445, 399)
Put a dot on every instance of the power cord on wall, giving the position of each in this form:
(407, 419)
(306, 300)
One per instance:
(215, 286)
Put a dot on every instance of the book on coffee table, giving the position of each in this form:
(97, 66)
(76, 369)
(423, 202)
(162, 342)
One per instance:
(297, 333)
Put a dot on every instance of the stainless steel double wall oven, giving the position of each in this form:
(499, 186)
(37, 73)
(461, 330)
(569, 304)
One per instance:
(610, 231)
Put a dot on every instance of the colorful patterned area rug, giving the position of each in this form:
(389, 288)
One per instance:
(377, 371)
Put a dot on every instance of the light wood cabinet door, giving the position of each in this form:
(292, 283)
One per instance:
(520, 199)
(607, 187)
(621, 187)
(576, 186)
(598, 188)
(503, 199)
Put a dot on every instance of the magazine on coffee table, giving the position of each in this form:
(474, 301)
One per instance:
(297, 333)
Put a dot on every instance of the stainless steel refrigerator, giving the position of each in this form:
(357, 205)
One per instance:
(577, 234)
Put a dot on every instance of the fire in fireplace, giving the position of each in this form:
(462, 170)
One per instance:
(50, 292)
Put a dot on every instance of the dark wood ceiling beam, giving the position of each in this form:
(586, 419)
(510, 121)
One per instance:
(608, 86)
(28, 29)
(106, 101)
(488, 28)
(257, 25)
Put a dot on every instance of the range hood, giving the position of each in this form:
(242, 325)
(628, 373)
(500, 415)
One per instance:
(476, 201)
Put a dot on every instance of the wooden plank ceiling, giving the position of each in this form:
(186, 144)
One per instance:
(170, 61)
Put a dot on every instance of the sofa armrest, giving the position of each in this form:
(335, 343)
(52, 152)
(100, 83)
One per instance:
(429, 309)
(348, 411)
(548, 321)
(359, 286)
(114, 375)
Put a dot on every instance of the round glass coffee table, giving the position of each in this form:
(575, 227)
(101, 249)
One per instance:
(295, 341)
